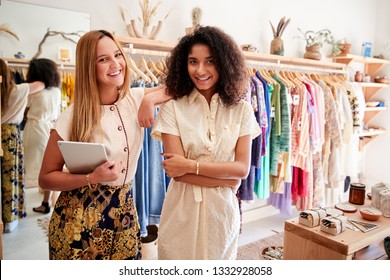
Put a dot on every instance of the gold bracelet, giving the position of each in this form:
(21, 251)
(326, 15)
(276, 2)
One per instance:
(89, 182)
(197, 168)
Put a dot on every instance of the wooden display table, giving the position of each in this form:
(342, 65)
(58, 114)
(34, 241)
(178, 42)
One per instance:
(305, 243)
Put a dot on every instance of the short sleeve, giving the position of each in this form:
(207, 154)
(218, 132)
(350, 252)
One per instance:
(137, 94)
(249, 124)
(62, 125)
(165, 121)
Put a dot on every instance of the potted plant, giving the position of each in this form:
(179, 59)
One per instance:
(315, 40)
(342, 48)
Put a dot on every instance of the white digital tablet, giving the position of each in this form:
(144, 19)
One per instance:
(82, 157)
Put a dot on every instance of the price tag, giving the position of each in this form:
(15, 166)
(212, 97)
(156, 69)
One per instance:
(296, 99)
(272, 112)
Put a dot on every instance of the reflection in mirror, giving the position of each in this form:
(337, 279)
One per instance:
(31, 22)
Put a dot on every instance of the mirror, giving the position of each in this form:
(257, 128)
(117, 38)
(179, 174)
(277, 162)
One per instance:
(31, 22)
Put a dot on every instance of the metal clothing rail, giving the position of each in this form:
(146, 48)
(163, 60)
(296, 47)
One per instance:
(294, 68)
(23, 63)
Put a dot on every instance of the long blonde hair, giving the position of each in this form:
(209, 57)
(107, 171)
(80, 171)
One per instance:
(87, 106)
(7, 84)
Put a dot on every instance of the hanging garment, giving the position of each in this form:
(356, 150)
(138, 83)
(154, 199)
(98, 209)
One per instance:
(44, 109)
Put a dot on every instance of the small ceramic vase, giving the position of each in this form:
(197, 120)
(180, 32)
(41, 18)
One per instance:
(358, 77)
(313, 52)
(277, 46)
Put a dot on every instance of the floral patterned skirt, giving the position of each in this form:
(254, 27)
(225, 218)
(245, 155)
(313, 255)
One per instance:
(12, 174)
(95, 224)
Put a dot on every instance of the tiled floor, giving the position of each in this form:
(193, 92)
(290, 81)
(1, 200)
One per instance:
(29, 242)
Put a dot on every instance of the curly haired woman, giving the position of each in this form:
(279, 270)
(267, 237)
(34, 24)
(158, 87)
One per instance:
(207, 130)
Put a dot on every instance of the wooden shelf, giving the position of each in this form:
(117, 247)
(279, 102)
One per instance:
(371, 112)
(372, 65)
(368, 136)
(276, 61)
(374, 85)
(375, 132)
(375, 109)
(146, 44)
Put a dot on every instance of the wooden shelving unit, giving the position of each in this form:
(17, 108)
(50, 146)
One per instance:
(371, 67)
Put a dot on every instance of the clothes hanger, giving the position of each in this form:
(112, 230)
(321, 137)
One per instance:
(263, 74)
(133, 73)
(269, 73)
(134, 67)
(160, 66)
(143, 65)
(153, 67)
(286, 78)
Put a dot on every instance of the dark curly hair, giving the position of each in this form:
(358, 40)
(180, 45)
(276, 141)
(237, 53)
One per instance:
(45, 71)
(229, 61)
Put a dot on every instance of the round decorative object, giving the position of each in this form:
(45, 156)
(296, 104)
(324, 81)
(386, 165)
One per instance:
(358, 76)
(19, 55)
(370, 214)
(345, 207)
(272, 253)
(333, 212)
(345, 48)
(313, 52)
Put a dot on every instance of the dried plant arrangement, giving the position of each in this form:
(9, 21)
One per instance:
(148, 13)
(277, 45)
(196, 15)
(278, 32)
(5, 29)
(66, 36)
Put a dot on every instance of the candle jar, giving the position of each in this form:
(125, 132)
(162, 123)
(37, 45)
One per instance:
(357, 193)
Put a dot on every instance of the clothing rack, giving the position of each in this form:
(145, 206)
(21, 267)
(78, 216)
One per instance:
(23, 63)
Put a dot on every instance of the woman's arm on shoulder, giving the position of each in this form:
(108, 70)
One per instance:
(36, 87)
(153, 96)
(52, 177)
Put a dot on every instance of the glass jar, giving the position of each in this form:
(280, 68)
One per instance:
(357, 193)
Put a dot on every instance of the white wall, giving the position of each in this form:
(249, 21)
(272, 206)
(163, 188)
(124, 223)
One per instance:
(248, 22)
(377, 153)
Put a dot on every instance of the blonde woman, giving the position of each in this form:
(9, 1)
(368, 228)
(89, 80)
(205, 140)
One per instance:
(91, 219)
